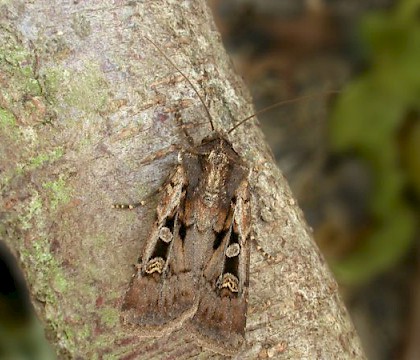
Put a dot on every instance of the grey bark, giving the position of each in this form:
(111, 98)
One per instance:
(84, 99)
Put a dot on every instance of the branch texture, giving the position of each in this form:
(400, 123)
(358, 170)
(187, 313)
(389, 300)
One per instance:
(84, 100)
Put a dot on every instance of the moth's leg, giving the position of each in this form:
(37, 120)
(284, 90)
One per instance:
(128, 206)
(161, 154)
(261, 250)
(137, 204)
(184, 127)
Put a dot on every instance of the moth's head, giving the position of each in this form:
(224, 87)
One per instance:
(215, 137)
(211, 137)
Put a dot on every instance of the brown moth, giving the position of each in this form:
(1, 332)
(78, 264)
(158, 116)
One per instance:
(194, 269)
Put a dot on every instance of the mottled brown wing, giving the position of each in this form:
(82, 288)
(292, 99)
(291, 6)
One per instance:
(162, 292)
(220, 320)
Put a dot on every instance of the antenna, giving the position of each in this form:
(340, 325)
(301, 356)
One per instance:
(280, 103)
(186, 78)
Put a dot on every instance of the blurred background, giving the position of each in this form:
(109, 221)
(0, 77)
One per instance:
(350, 143)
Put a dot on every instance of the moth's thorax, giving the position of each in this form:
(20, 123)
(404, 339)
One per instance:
(217, 167)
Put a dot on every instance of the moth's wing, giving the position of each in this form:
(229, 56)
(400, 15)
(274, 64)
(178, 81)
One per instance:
(220, 320)
(162, 291)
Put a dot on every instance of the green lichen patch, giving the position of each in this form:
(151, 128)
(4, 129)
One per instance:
(41, 253)
(88, 91)
(47, 288)
(20, 168)
(33, 209)
(59, 282)
(81, 25)
(54, 80)
(110, 316)
(8, 126)
(85, 90)
(38, 253)
(7, 119)
(16, 63)
(20, 85)
(45, 158)
(59, 192)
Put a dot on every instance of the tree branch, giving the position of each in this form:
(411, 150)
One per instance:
(85, 98)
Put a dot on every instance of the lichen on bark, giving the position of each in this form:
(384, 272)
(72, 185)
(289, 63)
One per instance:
(84, 99)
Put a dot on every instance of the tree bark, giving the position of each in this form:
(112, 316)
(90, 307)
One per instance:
(84, 99)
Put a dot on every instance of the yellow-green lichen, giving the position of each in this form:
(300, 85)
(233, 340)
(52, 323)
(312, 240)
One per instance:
(7, 119)
(54, 80)
(32, 210)
(59, 192)
(110, 316)
(44, 158)
(59, 282)
(41, 252)
(46, 268)
(81, 25)
(85, 90)
(17, 64)
(86, 331)
(12, 53)
(8, 126)
(88, 91)
(32, 164)
(32, 84)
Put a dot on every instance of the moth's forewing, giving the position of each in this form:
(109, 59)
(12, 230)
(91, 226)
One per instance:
(162, 293)
(222, 223)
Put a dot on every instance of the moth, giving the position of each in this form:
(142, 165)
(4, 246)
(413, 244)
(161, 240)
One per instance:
(194, 269)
